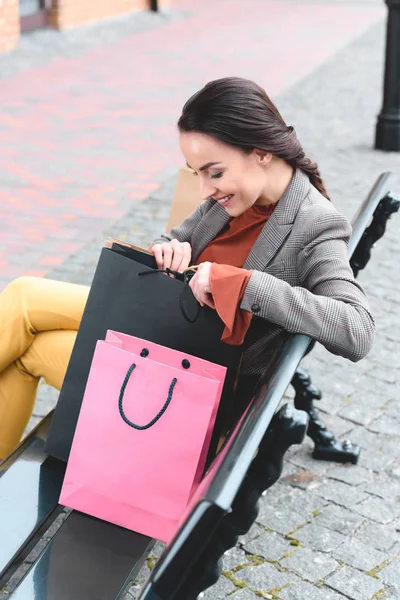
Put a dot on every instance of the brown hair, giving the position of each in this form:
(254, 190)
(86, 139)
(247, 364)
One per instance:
(239, 112)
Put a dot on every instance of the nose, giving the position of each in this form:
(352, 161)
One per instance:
(207, 189)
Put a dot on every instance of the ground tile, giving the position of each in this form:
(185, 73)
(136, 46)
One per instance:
(254, 532)
(307, 591)
(353, 584)
(387, 488)
(244, 594)
(309, 564)
(341, 493)
(233, 558)
(270, 546)
(391, 573)
(281, 519)
(298, 501)
(339, 519)
(357, 414)
(378, 510)
(319, 538)
(351, 474)
(266, 577)
(222, 588)
(356, 554)
(378, 536)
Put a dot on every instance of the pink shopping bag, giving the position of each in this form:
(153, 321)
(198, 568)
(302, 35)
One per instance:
(142, 435)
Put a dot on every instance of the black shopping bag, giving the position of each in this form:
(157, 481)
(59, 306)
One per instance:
(134, 298)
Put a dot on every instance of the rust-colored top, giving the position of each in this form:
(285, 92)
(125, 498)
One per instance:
(228, 281)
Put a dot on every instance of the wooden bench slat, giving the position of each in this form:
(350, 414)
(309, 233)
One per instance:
(87, 559)
(30, 485)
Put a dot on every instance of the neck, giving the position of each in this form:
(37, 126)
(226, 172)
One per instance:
(279, 175)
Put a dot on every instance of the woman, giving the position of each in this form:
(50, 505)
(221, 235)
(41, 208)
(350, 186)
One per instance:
(271, 250)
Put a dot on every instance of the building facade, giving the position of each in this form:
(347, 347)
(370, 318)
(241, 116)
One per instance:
(17, 16)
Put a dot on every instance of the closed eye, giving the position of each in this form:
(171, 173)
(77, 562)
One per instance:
(217, 175)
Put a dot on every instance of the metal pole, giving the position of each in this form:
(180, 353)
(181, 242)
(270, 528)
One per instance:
(388, 126)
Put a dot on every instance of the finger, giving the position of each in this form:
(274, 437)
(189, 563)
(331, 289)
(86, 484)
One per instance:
(167, 256)
(177, 255)
(209, 301)
(187, 255)
(193, 284)
(158, 255)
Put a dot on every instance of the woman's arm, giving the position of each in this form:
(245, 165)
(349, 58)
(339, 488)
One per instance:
(331, 307)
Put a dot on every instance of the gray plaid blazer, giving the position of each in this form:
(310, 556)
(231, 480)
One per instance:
(301, 281)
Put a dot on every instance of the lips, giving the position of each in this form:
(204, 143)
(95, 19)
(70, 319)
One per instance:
(225, 200)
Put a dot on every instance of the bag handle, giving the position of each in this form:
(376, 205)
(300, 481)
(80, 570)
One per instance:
(186, 286)
(158, 415)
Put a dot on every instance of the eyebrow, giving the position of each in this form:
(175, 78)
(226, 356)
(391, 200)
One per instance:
(206, 166)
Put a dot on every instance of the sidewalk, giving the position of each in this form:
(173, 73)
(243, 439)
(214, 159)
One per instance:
(108, 160)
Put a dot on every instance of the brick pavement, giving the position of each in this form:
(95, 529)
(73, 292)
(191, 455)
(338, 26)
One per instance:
(334, 534)
(85, 133)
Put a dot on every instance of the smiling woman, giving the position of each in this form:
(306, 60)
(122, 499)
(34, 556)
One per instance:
(271, 248)
(271, 251)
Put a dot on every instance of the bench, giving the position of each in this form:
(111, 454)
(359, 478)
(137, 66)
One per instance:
(66, 555)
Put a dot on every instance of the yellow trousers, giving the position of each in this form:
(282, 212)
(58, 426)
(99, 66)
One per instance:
(39, 319)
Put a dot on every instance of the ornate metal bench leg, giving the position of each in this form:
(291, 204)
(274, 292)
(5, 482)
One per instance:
(326, 446)
(287, 427)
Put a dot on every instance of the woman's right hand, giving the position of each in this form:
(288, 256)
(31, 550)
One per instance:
(173, 255)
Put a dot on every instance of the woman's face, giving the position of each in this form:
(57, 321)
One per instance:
(234, 179)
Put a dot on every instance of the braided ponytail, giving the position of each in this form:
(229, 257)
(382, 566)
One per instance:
(295, 156)
(240, 113)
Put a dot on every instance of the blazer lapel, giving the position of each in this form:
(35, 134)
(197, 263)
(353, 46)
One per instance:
(208, 229)
(280, 223)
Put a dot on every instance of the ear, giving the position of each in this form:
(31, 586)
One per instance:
(263, 158)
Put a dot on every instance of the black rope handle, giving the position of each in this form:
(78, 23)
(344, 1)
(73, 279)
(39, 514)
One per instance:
(186, 279)
(158, 415)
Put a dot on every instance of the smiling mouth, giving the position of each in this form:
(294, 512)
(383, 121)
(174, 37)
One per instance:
(225, 200)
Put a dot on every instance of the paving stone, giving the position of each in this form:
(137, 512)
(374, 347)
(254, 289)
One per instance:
(282, 520)
(254, 532)
(307, 591)
(244, 594)
(296, 500)
(351, 474)
(353, 584)
(385, 424)
(319, 538)
(386, 488)
(341, 493)
(358, 555)
(303, 480)
(233, 558)
(339, 519)
(270, 546)
(376, 459)
(221, 589)
(266, 577)
(395, 551)
(378, 510)
(311, 565)
(356, 413)
(302, 458)
(391, 573)
(378, 536)
(390, 593)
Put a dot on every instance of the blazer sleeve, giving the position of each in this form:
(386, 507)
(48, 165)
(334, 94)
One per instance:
(183, 232)
(329, 305)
